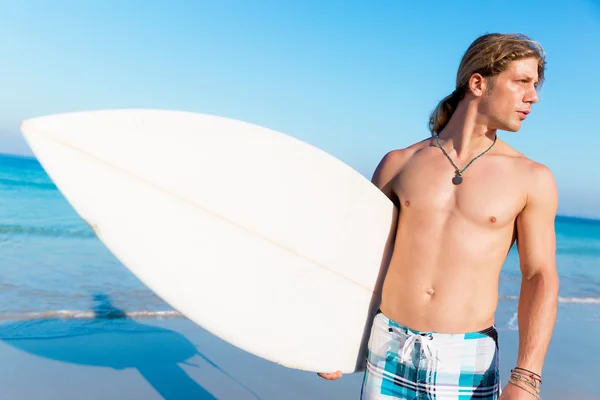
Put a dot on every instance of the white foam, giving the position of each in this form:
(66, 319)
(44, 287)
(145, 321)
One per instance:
(564, 300)
(513, 323)
(579, 300)
(79, 314)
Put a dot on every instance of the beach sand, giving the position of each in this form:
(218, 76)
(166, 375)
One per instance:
(175, 359)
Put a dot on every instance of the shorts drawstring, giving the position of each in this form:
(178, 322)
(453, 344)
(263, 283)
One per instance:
(426, 346)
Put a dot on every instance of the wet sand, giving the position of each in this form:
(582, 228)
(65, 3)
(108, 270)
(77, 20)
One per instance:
(175, 359)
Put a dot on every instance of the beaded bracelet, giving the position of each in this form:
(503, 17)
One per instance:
(533, 375)
(515, 383)
(523, 379)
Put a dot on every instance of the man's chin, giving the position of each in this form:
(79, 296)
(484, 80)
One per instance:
(511, 128)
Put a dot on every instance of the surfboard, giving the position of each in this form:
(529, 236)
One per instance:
(264, 240)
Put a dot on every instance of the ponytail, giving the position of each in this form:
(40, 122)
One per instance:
(441, 115)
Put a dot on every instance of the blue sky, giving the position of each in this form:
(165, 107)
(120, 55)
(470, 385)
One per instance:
(355, 78)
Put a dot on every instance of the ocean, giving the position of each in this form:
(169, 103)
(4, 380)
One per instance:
(52, 267)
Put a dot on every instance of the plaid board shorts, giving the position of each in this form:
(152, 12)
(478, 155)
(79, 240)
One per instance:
(409, 365)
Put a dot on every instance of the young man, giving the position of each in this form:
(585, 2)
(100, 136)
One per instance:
(464, 197)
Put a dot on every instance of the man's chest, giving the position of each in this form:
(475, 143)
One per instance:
(488, 193)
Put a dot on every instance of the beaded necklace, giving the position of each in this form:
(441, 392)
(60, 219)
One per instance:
(457, 180)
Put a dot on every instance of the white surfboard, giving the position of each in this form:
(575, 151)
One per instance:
(263, 240)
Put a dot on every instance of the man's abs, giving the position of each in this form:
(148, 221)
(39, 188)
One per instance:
(440, 280)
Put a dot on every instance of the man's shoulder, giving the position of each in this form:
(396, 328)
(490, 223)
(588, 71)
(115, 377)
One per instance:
(530, 168)
(398, 157)
(536, 177)
(541, 183)
(392, 163)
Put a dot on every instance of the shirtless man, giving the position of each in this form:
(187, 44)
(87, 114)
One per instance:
(434, 335)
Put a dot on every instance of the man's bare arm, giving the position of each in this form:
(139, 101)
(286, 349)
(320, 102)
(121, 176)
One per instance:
(386, 171)
(536, 240)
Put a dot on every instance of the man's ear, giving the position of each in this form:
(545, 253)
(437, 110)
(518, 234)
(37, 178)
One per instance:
(478, 84)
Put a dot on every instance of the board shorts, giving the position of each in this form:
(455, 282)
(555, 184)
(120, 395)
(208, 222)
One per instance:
(410, 365)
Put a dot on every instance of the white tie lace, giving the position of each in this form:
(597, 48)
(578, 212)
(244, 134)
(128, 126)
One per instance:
(426, 347)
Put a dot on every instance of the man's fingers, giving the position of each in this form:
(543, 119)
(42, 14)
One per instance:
(330, 376)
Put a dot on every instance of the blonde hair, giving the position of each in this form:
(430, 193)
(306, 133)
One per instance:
(488, 55)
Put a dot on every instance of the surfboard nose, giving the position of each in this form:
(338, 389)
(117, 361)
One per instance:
(27, 126)
(49, 124)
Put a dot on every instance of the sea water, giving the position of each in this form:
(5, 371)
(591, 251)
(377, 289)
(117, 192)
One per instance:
(52, 267)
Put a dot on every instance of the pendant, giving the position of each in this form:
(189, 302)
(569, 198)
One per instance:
(457, 180)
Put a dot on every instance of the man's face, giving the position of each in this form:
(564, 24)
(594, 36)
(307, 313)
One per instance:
(512, 94)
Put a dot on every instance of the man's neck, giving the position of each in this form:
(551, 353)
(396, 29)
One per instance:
(466, 132)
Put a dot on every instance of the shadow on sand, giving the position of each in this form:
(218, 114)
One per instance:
(119, 342)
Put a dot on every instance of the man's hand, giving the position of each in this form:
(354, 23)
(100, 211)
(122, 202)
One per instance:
(332, 376)
(511, 392)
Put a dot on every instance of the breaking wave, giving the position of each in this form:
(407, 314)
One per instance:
(45, 232)
(563, 300)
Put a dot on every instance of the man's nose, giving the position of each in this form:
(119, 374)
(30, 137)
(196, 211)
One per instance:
(532, 96)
